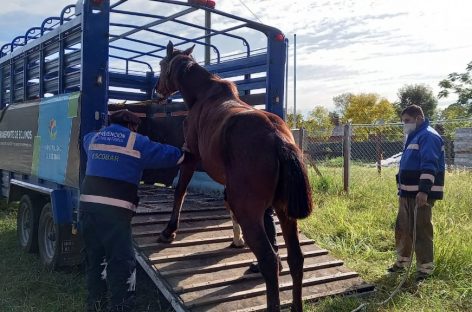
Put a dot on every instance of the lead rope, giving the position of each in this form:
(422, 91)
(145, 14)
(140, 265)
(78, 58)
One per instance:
(363, 307)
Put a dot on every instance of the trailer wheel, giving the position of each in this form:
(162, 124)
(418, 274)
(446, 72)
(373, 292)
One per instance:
(48, 238)
(27, 225)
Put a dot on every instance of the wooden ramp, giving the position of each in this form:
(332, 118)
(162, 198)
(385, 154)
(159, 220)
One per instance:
(199, 272)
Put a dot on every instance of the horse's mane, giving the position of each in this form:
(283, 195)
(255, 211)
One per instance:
(226, 87)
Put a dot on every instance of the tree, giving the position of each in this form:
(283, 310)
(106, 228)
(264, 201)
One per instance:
(291, 121)
(460, 84)
(341, 102)
(452, 116)
(454, 112)
(368, 108)
(420, 95)
(335, 118)
(319, 122)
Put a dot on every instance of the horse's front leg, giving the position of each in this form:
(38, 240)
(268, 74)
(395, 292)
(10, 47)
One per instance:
(186, 172)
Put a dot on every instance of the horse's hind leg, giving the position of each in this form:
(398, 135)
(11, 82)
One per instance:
(238, 240)
(256, 238)
(295, 258)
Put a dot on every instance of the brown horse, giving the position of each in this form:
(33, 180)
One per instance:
(252, 153)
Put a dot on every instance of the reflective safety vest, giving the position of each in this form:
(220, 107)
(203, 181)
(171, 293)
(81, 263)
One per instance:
(116, 158)
(422, 165)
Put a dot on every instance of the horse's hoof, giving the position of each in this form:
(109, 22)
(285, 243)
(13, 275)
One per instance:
(233, 245)
(166, 239)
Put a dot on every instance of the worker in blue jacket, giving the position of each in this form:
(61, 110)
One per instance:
(420, 183)
(116, 157)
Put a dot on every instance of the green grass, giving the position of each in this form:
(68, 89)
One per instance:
(357, 228)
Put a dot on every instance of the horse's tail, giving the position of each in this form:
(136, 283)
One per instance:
(293, 184)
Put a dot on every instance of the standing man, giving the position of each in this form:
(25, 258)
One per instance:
(420, 183)
(116, 157)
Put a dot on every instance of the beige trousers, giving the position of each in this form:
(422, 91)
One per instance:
(424, 235)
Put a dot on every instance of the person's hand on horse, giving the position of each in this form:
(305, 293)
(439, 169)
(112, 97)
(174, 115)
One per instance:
(181, 159)
(185, 149)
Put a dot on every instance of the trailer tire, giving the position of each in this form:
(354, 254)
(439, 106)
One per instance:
(27, 225)
(48, 239)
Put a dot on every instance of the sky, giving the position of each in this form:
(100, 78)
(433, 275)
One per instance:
(342, 45)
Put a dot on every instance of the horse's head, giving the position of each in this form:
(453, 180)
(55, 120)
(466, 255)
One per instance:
(167, 84)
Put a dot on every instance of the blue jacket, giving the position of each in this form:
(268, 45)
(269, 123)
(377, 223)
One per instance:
(116, 158)
(422, 165)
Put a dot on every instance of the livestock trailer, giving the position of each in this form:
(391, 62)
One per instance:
(59, 81)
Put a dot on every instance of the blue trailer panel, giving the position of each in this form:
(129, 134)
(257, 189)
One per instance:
(60, 79)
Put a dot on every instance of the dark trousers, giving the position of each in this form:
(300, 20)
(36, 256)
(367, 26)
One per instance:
(110, 260)
(269, 225)
(424, 234)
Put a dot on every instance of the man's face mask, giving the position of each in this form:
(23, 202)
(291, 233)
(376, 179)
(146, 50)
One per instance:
(409, 128)
(409, 124)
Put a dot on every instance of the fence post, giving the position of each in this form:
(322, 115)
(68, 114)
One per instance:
(347, 156)
(301, 138)
(379, 152)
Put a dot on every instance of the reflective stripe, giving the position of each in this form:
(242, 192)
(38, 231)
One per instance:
(415, 188)
(413, 146)
(427, 176)
(131, 140)
(425, 267)
(409, 188)
(437, 188)
(115, 149)
(108, 201)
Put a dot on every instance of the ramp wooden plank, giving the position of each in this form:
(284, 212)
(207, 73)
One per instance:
(191, 239)
(232, 264)
(285, 303)
(220, 259)
(251, 276)
(261, 290)
(168, 210)
(164, 220)
(158, 257)
(155, 231)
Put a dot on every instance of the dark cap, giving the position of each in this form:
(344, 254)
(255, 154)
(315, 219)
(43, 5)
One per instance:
(124, 118)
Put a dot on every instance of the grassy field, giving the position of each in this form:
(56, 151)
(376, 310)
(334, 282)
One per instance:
(357, 228)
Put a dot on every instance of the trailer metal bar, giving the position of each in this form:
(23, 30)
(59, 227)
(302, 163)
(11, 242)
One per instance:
(152, 24)
(213, 32)
(185, 40)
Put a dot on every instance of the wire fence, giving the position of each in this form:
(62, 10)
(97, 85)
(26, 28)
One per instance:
(378, 147)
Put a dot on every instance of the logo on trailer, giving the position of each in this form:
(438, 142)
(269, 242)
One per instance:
(52, 129)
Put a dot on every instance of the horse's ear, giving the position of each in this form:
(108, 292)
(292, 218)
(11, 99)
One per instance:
(170, 49)
(189, 50)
